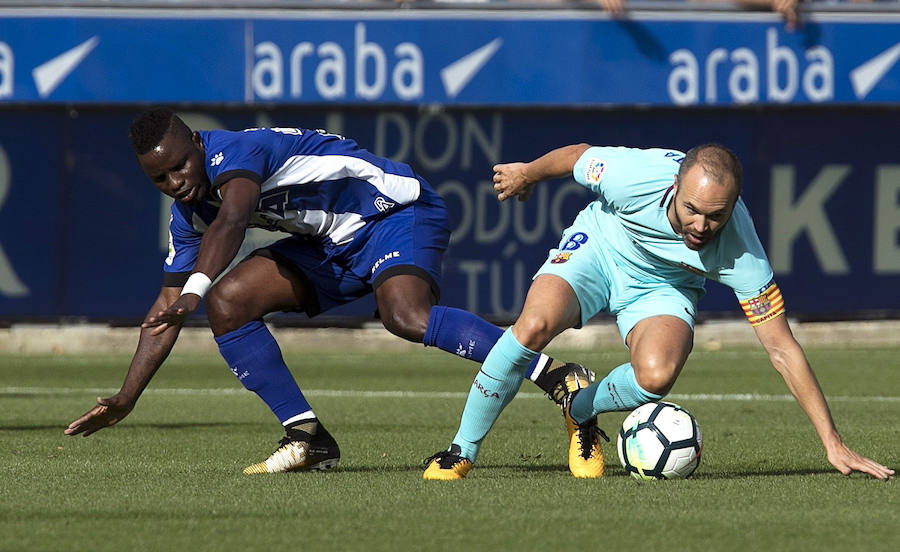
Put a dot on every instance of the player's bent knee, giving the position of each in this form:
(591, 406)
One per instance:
(533, 332)
(655, 375)
(410, 325)
(225, 309)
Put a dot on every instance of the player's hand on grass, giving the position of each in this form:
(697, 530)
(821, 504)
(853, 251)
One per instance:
(108, 412)
(174, 315)
(510, 180)
(846, 461)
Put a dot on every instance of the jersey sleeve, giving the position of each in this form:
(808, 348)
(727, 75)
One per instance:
(747, 271)
(232, 155)
(598, 164)
(620, 174)
(184, 246)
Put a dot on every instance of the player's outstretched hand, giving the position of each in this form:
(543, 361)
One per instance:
(107, 412)
(846, 461)
(510, 180)
(174, 315)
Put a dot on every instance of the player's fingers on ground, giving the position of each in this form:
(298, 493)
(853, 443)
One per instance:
(879, 471)
(865, 465)
(73, 429)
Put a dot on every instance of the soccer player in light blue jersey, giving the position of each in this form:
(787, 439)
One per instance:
(663, 222)
(357, 224)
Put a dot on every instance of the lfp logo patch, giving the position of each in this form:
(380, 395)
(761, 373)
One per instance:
(561, 257)
(593, 172)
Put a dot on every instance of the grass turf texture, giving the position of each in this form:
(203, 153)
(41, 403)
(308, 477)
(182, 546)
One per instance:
(169, 476)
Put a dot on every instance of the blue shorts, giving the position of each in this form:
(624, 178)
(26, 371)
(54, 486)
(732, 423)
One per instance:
(601, 286)
(411, 240)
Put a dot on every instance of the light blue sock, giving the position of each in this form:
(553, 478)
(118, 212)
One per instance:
(619, 390)
(495, 385)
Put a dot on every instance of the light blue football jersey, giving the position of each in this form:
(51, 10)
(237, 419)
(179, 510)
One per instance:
(311, 183)
(634, 188)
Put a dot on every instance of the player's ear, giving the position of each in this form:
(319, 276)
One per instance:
(195, 137)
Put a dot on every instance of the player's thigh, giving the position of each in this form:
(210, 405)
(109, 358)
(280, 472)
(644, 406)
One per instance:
(404, 301)
(255, 287)
(401, 256)
(577, 262)
(326, 280)
(659, 347)
(551, 307)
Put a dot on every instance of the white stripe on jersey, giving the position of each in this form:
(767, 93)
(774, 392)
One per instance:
(340, 227)
(302, 169)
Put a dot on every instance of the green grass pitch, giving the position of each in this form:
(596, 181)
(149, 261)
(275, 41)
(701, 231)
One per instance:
(169, 476)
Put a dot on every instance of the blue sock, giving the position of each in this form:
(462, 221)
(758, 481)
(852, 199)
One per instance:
(619, 390)
(255, 358)
(495, 385)
(462, 333)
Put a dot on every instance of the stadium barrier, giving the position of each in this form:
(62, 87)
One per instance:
(811, 112)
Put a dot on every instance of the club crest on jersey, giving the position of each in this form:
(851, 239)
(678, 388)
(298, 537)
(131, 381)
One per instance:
(561, 257)
(593, 172)
(216, 159)
(383, 205)
(759, 305)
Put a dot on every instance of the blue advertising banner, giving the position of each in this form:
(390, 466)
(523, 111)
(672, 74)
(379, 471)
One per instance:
(512, 58)
(83, 233)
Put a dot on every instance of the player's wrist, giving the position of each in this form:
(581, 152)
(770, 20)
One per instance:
(197, 283)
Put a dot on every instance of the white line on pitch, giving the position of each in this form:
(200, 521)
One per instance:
(223, 391)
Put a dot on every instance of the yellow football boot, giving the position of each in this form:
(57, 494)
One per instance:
(585, 454)
(446, 465)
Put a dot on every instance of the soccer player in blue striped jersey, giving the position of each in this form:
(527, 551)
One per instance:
(356, 224)
(663, 222)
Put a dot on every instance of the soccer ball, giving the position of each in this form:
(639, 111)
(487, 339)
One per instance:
(660, 440)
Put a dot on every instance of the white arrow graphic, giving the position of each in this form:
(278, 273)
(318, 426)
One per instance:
(49, 75)
(867, 75)
(458, 74)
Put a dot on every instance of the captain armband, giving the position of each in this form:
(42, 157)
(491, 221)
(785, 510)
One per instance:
(765, 306)
(198, 283)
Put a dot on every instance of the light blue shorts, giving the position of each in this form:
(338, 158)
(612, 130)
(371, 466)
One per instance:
(601, 286)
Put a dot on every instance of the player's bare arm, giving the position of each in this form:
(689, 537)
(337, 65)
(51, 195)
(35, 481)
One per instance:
(519, 179)
(220, 244)
(151, 351)
(788, 359)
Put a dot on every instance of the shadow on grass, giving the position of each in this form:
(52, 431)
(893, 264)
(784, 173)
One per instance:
(418, 467)
(139, 425)
(764, 473)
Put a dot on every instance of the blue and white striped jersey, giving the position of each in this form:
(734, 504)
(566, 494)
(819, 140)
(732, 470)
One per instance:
(311, 183)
